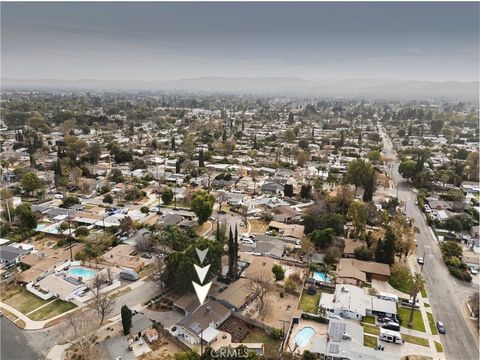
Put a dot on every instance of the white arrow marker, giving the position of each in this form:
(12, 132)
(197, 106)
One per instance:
(201, 254)
(201, 271)
(201, 291)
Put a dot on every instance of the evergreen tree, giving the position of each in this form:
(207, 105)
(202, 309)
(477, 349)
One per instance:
(368, 193)
(290, 118)
(379, 253)
(231, 252)
(389, 247)
(172, 143)
(288, 190)
(255, 142)
(177, 167)
(224, 136)
(126, 319)
(235, 254)
(201, 162)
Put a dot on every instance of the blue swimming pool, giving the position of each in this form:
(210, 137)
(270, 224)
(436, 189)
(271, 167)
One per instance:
(84, 273)
(303, 336)
(321, 276)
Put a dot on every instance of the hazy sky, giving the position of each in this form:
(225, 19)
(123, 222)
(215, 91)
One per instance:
(160, 41)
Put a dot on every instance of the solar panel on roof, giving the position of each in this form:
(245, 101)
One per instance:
(337, 329)
(334, 348)
(195, 327)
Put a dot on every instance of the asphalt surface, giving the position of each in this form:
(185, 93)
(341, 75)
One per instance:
(14, 343)
(446, 295)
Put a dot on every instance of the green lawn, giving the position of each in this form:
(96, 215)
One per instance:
(426, 305)
(309, 303)
(424, 293)
(438, 346)
(369, 329)
(55, 308)
(415, 340)
(431, 322)
(403, 287)
(24, 301)
(369, 319)
(370, 341)
(271, 346)
(404, 315)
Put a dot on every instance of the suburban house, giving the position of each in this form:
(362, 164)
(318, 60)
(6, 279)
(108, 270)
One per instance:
(293, 232)
(57, 285)
(122, 256)
(140, 325)
(272, 189)
(11, 254)
(201, 325)
(237, 295)
(351, 302)
(358, 272)
(344, 340)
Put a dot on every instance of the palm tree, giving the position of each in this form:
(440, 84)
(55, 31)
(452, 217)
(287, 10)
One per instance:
(417, 285)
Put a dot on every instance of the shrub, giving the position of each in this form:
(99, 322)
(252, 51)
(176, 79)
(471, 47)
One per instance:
(144, 209)
(459, 274)
(276, 334)
(278, 272)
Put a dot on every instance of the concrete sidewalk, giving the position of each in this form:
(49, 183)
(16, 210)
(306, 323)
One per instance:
(29, 323)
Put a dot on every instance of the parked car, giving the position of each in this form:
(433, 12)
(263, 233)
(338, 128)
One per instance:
(146, 256)
(129, 275)
(58, 196)
(420, 260)
(473, 271)
(384, 320)
(247, 241)
(440, 327)
(391, 326)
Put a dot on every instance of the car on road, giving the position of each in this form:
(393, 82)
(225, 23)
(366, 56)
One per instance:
(420, 260)
(440, 327)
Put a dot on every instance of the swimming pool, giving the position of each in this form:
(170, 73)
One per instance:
(84, 273)
(303, 336)
(321, 276)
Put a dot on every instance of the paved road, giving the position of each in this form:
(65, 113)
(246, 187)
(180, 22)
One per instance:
(138, 295)
(446, 294)
(18, 344)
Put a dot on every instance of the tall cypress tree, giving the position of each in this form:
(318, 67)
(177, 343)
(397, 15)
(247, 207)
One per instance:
(231, 252)
(235, 254)
(389, 247)
(368, 193)
(201, 161)
(126, 319)
(379, 253)
(172, 143)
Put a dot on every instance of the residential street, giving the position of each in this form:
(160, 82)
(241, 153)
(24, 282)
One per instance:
(446, 295)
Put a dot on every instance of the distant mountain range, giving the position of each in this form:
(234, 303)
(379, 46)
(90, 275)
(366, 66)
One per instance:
(381, 88)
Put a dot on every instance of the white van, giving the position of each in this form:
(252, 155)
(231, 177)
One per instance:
(387, 296)
(390, 336)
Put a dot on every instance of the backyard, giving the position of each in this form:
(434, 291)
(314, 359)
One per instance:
(404, 314)
(309, 303)
(271, 345)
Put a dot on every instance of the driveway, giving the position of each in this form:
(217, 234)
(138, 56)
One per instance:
(447, 295)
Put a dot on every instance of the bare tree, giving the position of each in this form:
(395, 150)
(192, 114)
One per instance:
(79, 329)
(260, 287)
(144, 241)
(103, 304)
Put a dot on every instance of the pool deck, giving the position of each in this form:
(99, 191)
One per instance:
(320, 329)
